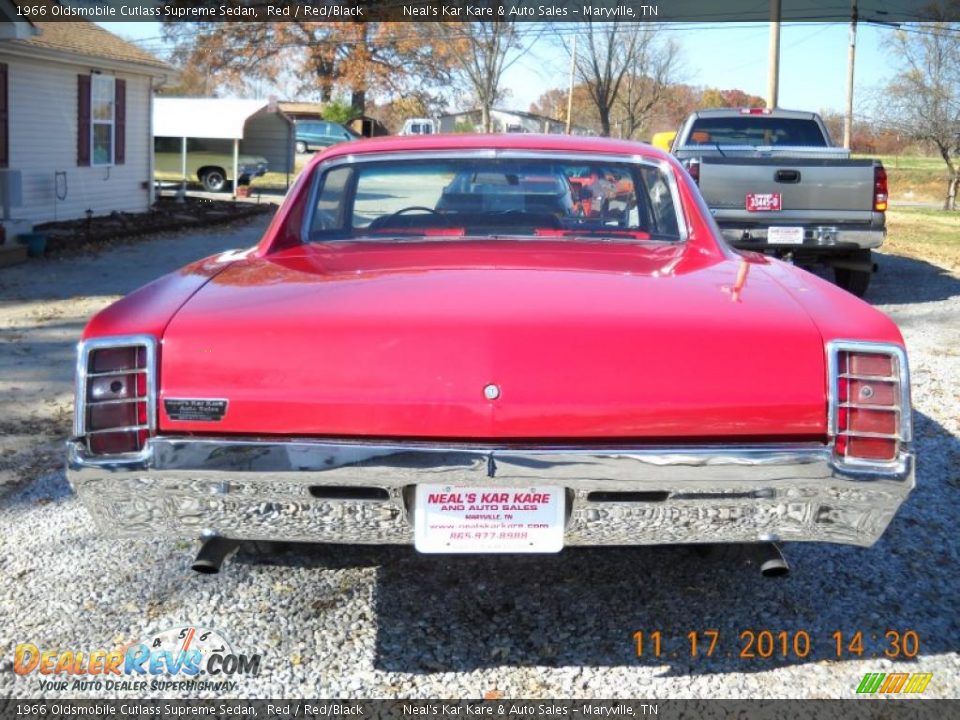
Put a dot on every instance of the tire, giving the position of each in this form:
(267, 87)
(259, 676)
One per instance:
(855, 282)
(214, 180)
(301, 147)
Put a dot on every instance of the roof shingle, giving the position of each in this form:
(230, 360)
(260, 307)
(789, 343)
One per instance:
(90, 40)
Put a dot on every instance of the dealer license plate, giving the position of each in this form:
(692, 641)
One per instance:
(451, 519)
(764, 202)
(785, 236)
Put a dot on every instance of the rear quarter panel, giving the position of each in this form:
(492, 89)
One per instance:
(838, 314)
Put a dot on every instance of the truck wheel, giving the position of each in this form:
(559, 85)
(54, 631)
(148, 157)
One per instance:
(301, 147)
(855, 281)
(213, 179)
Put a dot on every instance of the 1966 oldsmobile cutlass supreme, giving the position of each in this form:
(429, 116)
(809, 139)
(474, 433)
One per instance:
(492, 344)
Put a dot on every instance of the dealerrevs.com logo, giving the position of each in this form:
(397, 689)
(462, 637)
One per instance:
(182, 658)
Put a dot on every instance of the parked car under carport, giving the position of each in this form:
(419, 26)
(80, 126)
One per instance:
(208, 161)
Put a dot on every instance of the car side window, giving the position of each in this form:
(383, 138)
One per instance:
(660, 199)
(331, 201)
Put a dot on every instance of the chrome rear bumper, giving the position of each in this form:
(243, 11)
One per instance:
(359, 492)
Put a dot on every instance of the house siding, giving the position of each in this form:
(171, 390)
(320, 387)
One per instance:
(43, 142)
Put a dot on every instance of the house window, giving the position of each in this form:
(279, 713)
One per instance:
(102, 106)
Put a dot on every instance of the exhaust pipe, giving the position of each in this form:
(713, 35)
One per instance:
(212, 554)
(772, 562)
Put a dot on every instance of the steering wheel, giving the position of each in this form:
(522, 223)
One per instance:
(384, 219)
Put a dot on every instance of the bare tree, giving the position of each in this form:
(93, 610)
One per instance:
(478, 54)
(646, 84)
(923, 100)
(609, 53)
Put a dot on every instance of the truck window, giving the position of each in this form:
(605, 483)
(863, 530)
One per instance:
(756, 131)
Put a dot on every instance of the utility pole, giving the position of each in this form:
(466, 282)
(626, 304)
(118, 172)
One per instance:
(573, 67)
(851, 57)
(773, 73)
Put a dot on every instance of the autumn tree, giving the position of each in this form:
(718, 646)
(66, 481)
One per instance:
(553, 104)
(319, 59)
(923, 99)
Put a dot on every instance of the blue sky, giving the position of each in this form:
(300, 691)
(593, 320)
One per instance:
(813, 61)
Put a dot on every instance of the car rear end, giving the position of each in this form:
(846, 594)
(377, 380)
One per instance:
(550, 390)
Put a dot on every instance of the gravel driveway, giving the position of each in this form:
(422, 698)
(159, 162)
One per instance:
(384, 622)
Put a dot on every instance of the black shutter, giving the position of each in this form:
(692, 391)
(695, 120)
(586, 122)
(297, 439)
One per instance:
(4, 119)
(83, 120)
(120, 122)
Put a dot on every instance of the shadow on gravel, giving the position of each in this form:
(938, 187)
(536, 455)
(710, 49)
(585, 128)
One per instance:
(583, 606)
(902, 280)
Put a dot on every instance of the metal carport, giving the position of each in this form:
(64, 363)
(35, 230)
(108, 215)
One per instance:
(255, 126)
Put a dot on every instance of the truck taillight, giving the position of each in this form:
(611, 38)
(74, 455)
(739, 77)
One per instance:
(115, 397)
(693, 168)
(755, 111)
(879, 188)
(869, 401)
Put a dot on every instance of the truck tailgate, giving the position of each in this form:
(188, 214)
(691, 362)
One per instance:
(807, 188)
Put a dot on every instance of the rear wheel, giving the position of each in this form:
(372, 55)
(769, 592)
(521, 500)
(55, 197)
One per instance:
(301, 147)
(855, 281)
(213, 179)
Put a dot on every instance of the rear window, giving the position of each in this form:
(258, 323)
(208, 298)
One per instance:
(495, 197)
(756, 131)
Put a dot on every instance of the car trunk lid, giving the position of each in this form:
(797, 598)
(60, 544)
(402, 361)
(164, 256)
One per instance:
(582, 340)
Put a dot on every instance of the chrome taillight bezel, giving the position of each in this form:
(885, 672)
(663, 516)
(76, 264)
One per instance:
(85, 350)
(901, 375)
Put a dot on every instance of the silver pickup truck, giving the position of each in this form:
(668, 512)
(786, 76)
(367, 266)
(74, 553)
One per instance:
(775, 184)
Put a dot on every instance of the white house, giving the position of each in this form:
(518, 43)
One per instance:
(75, 118)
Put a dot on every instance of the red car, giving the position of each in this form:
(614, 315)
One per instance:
(428, 348)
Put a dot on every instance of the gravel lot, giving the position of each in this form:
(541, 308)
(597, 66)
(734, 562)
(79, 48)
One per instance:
(384, 622)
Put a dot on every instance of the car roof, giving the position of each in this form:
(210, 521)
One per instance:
(505, 141)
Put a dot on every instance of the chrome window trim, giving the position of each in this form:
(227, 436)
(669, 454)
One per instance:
(84, 350)
(905, 427)
(663, 166)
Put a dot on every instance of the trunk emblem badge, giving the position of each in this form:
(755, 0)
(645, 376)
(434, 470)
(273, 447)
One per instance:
(491, 392)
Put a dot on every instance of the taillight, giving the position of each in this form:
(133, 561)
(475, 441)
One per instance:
(755, 111)
(693, 167)
(879, 188)
(115, 393)
(870, 401)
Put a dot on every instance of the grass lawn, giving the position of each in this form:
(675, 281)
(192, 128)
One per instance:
(925, 234)
(914, 178)
(277, 180)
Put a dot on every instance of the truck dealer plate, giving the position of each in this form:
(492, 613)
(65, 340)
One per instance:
(785, 236)
(451, 519)
(764, 202)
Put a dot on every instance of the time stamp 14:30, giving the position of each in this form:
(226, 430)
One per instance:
(752, 644)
